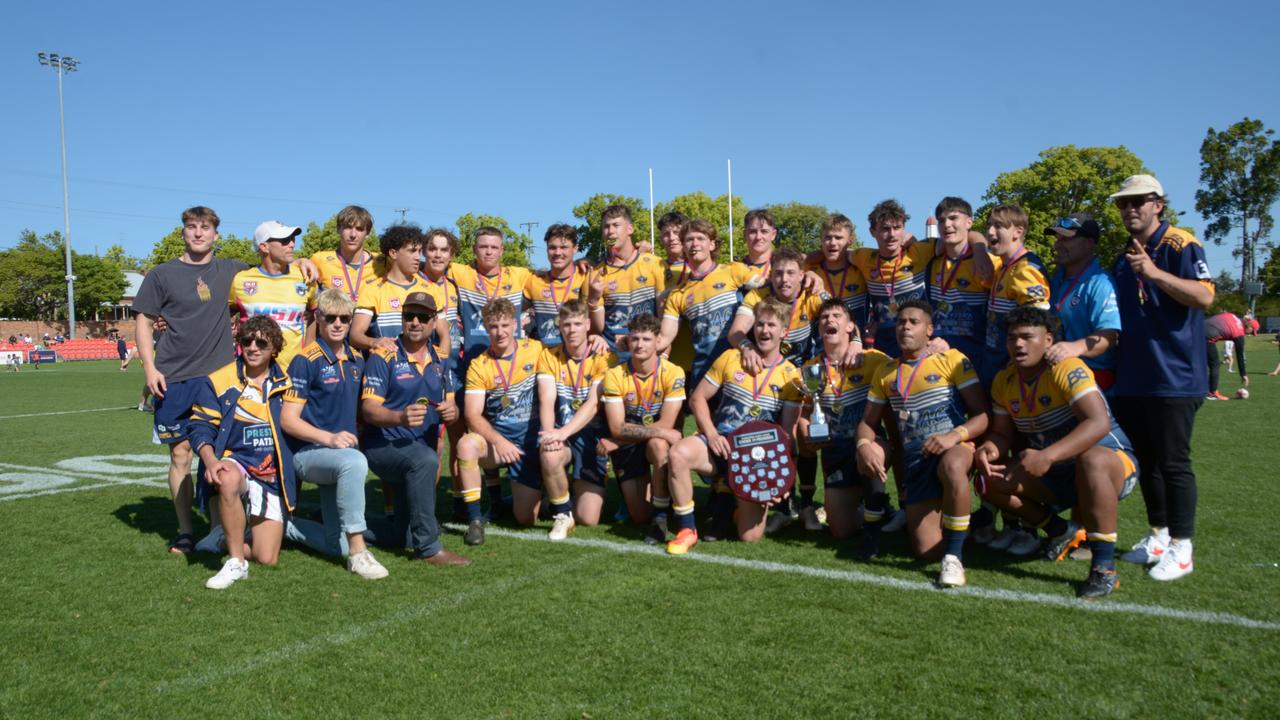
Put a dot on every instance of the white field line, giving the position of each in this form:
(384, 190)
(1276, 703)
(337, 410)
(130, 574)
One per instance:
(104, 481)
(65, 412)
(353, 633)
(855, 576)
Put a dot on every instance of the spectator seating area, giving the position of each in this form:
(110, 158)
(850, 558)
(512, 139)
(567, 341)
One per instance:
(78, 349)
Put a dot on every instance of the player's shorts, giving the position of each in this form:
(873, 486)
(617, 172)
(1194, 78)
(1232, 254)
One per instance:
(527, 469)
(1061, 481)
(589, 464)
(840, 466)
(263, 501)
(721, 464)
(173, 411)
(630, 462)
(1130, 462)
(921, 483)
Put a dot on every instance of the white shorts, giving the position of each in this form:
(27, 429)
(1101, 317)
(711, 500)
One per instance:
(261, 500)
(1230, 347)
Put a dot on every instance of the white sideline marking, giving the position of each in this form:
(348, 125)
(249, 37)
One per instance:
(356, 632)
(855, 576)
(64, 412)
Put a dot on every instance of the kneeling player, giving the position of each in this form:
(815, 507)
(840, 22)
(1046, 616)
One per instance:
(843, 400)
(501, 409)
(569, 377)
(1076, 457)
(743, 397)
(642, 400)
(938, 405)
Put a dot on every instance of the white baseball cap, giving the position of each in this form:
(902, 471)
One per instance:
(1139, 185)
(274, 230)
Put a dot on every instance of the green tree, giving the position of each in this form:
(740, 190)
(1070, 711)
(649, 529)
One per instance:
(1065, 180)
(1225, 283)
(318, 239)
(171, 247)
(117, 256)
(800, 225)
(33, 279)
(99, 282)
(167, 248)
(1240, 172)
(590, 241)
(699, 205)
(516, 245)
(1270, 274)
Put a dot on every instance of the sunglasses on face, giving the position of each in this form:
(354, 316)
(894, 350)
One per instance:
(258, 342)
(1125, 203)
(284, 241)
(424, 318)
(331, 318)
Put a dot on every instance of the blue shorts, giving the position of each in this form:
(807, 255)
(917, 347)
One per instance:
(589, 464)
(630, 462)
(527, 470)
(721, 464)
(921, 483)
(1061, 481)
(840, 467)
(173, 411)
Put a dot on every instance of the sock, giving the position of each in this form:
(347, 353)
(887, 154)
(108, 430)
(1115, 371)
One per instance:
(954, 528)
(662, 505)
(684, 517)
(459, 504)
(471, 500)
(722, 506)
(985, 517)
(873, 518)
(561, 505)
(807, 479)
(1053, 525)
(495, 495)
(1011, 522)
(1103, 546)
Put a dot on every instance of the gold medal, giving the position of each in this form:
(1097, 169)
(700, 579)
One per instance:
(575, 403)
(943, 306)
(423, 401)
(505, 401)
(903, 415)
(786, 347)
(754, 411)
(991, 316)
(647, 419)
(837, 407)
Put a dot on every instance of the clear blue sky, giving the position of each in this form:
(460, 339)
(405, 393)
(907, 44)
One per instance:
(290, 110)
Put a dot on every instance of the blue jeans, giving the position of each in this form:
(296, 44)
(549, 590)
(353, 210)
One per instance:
(341, 475)
(410, 467)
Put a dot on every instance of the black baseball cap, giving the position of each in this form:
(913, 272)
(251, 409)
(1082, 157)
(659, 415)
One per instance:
(1075, 224)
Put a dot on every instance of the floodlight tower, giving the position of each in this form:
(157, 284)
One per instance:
(63, 64)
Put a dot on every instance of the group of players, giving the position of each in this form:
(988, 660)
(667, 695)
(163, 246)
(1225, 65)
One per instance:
(950, 360)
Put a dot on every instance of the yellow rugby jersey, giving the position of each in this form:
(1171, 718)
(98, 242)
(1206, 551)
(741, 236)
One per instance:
(546, 296)
(284, 298)
(337, 273)
(509, 387)
(475, 291)
(708, 304)
(574, 379)
(845, 396)
(681, 350)
(959, 299)
(740, 391)
(932, 402)
(799, 343)
(1041, 407)
(1023, 281)
(381, 298)
(631, 288)
(760, 270)
(445, 293)
(846, 284)
(620, 387)
(890, 282)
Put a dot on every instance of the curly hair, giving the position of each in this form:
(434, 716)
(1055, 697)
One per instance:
(266, 328)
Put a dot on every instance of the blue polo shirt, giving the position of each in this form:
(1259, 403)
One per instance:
(1084, 304)
(1162, 351)
(397, 380)
(327, 387)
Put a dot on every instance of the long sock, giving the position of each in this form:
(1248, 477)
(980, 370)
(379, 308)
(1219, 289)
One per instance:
(662, 506)
(873, 517)
(459, 503)
(684, 517)
(562, 505)
(985, 517)
(494, 487)
(1053, 525)
(954, 528)
(1103, 546)
(807, 479)
(471, 501)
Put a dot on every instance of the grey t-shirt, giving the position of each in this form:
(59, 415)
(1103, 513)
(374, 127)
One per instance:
(192, 299)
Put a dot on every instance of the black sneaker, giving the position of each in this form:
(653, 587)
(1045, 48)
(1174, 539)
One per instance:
(657, 534)
(1057, 548)
(1100, 583)
(475, 533)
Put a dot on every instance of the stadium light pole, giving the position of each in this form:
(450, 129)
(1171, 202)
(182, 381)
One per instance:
(63, 64)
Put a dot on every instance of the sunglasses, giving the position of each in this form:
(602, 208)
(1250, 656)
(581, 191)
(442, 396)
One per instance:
(331, 318)
(1070, 224)
(259, 342)
(284, 241)
(423, 318)
(1133, 201)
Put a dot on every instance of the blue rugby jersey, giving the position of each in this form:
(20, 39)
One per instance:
(328, 388)
(1085, 304)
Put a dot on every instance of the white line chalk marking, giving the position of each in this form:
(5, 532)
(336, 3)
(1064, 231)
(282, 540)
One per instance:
(65, 412)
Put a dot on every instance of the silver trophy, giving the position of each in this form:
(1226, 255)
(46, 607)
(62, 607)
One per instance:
(813, 380)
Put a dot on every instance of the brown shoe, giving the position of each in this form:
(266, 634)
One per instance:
(444, 557)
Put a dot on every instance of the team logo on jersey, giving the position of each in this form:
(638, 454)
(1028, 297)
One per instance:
(250, 287)
(528, 367)
(804, 318)
(932, 378)
(1036, 292)
(630, 397)
(776, 389)
(679, 383)
(563, 374)
(875, 272)
(851, 287)
(1045, 400)
(739, 376)
(612, 286)
(1014, 405)
(642, 279)
(1076, 376)
(961, 282)
(251, 394)
(546, 292)
(966, 364)
(856, 378)
(337, 282)
(395, 303)
(1075, 300)
(300, 288)
(718, 286)
(507, 287)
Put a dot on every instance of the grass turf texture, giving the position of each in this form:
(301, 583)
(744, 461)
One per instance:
(101, 621)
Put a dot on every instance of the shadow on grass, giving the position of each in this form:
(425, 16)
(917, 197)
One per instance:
(154, 516)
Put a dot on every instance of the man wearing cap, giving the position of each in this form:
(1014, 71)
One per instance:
(276, 288)
(1163, 286)
(1083, 299)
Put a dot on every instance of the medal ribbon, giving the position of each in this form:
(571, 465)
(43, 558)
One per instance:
(758, 387)
(353, 290)
(505, 379)
(1004, 271)
(568, 285)
(582, 364)
(1067, 294)
(964, 255)
(904, 391)
(483, 282)
(836, 290)
(834, 381)
(893, 279)
(1029, 405)
(646, 408)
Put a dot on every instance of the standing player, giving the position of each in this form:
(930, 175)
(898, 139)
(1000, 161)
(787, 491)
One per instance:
(1083, 300)
(350, 265)
(569, 377)
(501, 409)
(482, 282)
(938, 405)
(1075, 457)
(276, 288)
(957, 288)
(743, 397)
(670, 234)
(894, 270)
(377, 322)
(547, 291)
(627, 284)
(840, 277)
(642, 401)
(759, 230)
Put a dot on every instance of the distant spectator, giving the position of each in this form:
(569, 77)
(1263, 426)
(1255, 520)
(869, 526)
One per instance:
(13, 340)
(122, 349)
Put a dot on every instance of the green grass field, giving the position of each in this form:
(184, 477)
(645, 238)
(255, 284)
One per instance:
(100, 621)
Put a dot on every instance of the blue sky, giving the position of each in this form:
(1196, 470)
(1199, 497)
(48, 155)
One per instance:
(290, 110)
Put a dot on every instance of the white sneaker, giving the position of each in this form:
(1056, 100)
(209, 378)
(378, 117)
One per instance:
(952, 574)
(1149, 549)
(778, 521)
(1004, 538)
(561, 525)
(366, 566)
(810, 517)
(1024, 543)
(896, 522)
(1174, 563)
(215, 542)
(232, 570)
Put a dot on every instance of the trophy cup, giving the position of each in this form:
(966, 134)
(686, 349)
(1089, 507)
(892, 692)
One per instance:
(813, 379)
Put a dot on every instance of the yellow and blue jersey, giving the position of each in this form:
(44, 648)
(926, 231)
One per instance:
(620, 383)
(845, 396)
(959, 299)
(546, 295)
(445, 293)
(327, 386)
(708, 304)
(681, 350)
(800, 342)
(338, 273)
(381, 298)
(397, 380)
(932, 387)
(475, 291)
(283, 297)
(891, 282)
(574, 379)
(1041, 408)
(1023, 281)
(847, 285)
(631, 288)
(509, 387)
(740, 392)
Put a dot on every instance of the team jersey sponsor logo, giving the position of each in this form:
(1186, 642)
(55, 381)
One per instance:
(258, 436)
(528, 367)
(1037, 292)
(250, 287)
(300, 288)
(932, 378)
